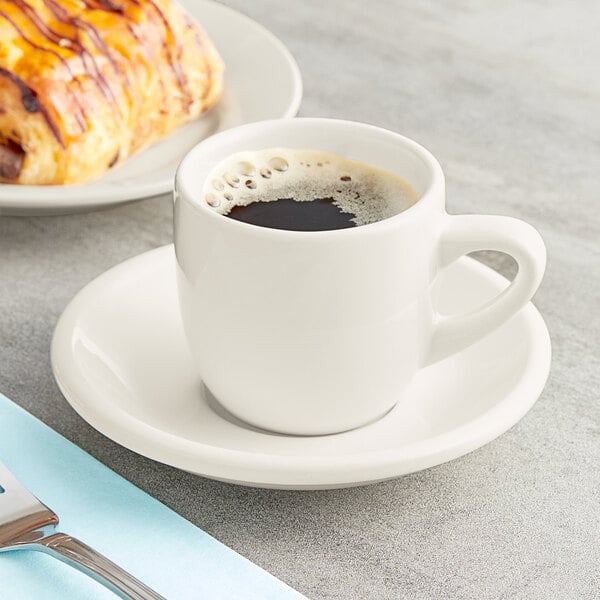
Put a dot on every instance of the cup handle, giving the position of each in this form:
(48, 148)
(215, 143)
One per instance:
(468, 233)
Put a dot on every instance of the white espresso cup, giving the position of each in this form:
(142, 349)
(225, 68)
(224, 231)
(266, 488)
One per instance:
(320, 332)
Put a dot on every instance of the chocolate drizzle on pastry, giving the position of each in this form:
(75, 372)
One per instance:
(74, 44)
(114, 160)
(106, 5)
(48, 34)
(168, 42)
(28, 96)
(11, 159)
(30, 103)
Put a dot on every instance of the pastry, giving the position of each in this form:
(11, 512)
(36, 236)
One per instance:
(84, 84)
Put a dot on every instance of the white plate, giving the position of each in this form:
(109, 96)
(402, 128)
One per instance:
(262, 81)
(120, 359)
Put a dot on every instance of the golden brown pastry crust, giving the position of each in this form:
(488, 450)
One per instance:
(86, 83)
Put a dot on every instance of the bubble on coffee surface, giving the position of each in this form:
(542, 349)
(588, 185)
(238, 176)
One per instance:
(245, 168)
(231, 179)
(212, 200)
(368, 193)
(279, 164)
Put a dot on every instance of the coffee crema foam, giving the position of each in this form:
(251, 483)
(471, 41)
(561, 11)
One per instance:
(367, 192)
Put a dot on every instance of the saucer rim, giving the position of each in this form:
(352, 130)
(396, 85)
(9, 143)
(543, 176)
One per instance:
(293, 471)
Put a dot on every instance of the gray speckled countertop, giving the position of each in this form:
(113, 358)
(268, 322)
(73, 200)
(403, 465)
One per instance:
(507, 96)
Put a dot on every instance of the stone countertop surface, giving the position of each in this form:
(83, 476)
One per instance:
(507, 96)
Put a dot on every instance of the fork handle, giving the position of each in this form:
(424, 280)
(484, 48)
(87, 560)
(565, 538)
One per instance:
(85, 559)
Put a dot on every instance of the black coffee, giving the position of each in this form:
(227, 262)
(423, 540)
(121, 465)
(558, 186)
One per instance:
(320, 214)
(305, 190)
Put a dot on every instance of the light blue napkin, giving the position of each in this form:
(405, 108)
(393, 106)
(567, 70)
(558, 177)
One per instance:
(110, 514)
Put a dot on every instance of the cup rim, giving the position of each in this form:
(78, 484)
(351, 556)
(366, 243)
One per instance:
(426, 201)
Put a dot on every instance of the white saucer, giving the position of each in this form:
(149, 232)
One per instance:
(120, 359)
(262, 81)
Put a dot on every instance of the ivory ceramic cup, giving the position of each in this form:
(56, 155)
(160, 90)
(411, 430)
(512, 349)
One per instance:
(320, 332)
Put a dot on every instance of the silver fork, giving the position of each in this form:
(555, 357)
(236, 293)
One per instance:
(27, 524)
